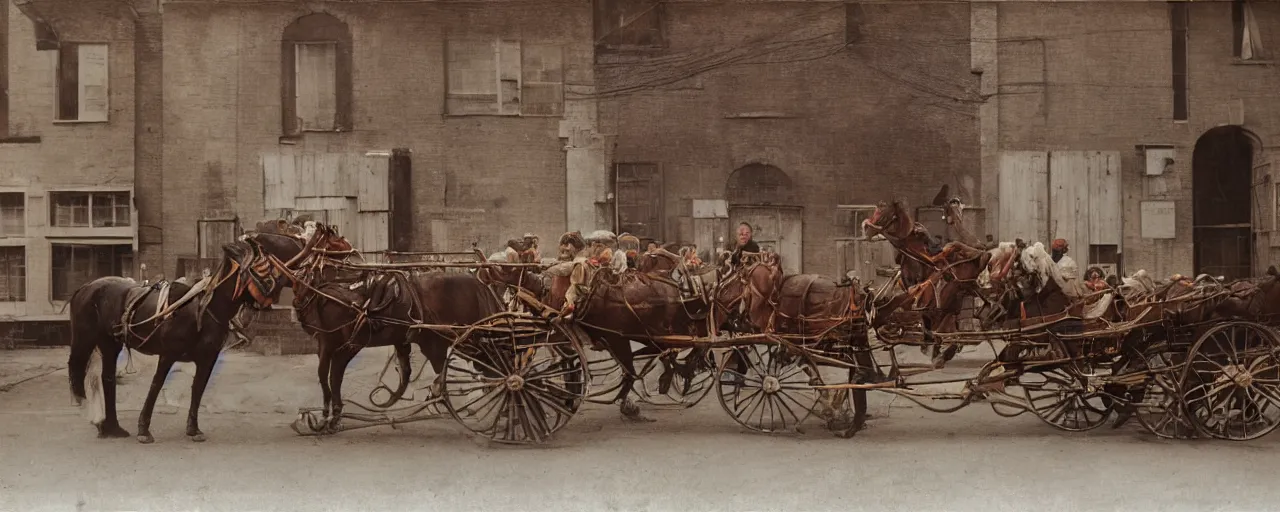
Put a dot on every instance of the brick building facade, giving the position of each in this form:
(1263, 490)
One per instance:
(673, 120)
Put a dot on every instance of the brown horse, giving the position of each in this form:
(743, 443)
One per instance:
(1025, 283)
(171, 320)
(819, 310)
(346, 310)
(617, 308)
(660, 261)
(389, 303)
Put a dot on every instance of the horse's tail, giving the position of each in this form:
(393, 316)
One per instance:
(85, 364)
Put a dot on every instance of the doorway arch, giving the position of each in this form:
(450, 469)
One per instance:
(764, 196)
(1223, 203)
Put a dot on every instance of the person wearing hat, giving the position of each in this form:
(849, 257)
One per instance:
(1066, 266)
(630, 246)
(1095, 279)
(531, 253)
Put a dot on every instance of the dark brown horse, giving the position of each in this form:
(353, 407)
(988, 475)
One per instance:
(347, 312)
(347, 309)
(171, 320)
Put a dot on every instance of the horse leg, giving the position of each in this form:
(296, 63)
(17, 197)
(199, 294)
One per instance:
(621, 349)
(337, 370)
(110, 427)
(403, 351)
(204, 370)
(436, 349)
(157, 382)
(325, 353)
(941, 357)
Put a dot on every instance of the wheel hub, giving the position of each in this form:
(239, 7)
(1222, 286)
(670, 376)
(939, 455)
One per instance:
(771, 385)
(515, 383)
(1239, 375)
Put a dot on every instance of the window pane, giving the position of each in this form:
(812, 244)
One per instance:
(110, 209)
(68, 86)
(75, 265)
(70, 209)
(13, 217)
(12, 274)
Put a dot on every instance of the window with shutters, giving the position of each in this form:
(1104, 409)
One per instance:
(504, 78)
(1246, 38)
(81, 83)
(316, 69)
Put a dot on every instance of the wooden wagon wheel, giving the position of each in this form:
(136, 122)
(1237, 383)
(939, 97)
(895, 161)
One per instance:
(1231, 382)
(515, 379)
(1161, 411)
(776, 393)
(1062, 396)
(675, 378)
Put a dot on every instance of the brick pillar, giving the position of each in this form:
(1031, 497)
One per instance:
(148, 145)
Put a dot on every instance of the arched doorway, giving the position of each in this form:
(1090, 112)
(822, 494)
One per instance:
(765, 197)
(1223, 202)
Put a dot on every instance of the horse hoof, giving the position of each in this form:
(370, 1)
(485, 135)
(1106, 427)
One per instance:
(146, 439)
(198, 438)
(113, 433)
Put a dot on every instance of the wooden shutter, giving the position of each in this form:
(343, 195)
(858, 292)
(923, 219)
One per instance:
(93, 75)
(317, 91)
(471, 67)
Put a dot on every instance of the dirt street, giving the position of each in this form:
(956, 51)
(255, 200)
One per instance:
(691, 460)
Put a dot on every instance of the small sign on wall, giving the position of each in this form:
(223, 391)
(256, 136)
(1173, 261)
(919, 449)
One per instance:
(1159, 160)
(1158, 220)
(710, 209)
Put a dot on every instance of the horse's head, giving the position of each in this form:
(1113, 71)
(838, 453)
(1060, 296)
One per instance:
(293, 243)
(257, 282)
(890, 220)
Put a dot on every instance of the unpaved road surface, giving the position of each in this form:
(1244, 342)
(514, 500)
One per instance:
(691, 460)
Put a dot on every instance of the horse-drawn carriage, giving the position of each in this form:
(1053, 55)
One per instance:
(520, 368)
(517, 348)
(1184, 360)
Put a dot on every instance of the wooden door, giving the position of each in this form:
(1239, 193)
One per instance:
(774, 229)
(638, 195)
